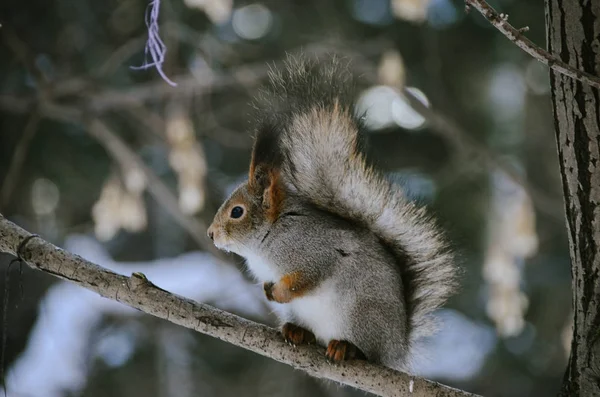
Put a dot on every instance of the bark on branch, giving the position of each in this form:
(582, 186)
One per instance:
(138, 292)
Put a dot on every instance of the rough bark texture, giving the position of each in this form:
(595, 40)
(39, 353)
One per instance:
(573, 30)
(138, 292)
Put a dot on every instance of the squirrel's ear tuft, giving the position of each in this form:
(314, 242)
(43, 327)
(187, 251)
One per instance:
(266, 153)
(264, 178)
(273, 196)
(268, 186)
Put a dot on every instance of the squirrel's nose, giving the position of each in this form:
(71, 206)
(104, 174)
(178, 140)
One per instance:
(211, 233)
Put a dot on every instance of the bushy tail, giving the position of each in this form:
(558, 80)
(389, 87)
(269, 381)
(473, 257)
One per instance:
(322, 162)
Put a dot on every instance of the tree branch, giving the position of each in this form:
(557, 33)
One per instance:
(123, 155)
(138, 292)
(500, 22)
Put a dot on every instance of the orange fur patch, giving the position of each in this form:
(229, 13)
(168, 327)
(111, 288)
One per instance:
(291, 281)
(252, 172)
(292, 285)
(275, 195)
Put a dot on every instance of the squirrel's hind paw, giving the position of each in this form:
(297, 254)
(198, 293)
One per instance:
(340, 350)
(296, 335)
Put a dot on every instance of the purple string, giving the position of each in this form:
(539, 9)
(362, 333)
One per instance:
(154, 46)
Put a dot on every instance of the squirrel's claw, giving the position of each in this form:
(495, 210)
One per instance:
(340, 350)
(295, 335)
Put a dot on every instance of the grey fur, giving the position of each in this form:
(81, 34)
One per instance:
(361, 271)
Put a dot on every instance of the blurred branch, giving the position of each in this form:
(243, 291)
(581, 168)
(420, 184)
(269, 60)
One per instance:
(18, 158)
(447, 128)
(500, 22)
(16, 104)
(206, 80)
(198, 81)
(25, 56)
(211, 128)
(439, 122)
(147, 121)
(187, 85)
(124, 155)
(138, 292)
(443, 126)
(118, 57)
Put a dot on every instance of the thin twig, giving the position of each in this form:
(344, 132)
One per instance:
(138, 292)
(500, 22)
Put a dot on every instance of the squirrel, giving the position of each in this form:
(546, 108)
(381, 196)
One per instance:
(354, 265)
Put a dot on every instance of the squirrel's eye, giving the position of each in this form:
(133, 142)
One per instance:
(237, 212)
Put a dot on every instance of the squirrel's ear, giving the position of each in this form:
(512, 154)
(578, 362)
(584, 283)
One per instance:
(273, 195)
(266, 153)
(264, 179)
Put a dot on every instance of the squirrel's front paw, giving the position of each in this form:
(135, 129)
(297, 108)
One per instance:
(277, 292)
(268, 287)
(340, 350)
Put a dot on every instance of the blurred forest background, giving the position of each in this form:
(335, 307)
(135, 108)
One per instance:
(120, 167)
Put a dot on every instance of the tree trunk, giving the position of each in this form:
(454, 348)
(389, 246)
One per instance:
(573, 33)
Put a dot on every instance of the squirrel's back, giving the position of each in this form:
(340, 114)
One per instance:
(309, 110)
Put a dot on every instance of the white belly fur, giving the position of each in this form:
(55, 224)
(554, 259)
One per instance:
(320, 312)
(260, 269)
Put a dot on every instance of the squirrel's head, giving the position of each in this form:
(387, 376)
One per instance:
(245, 217)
